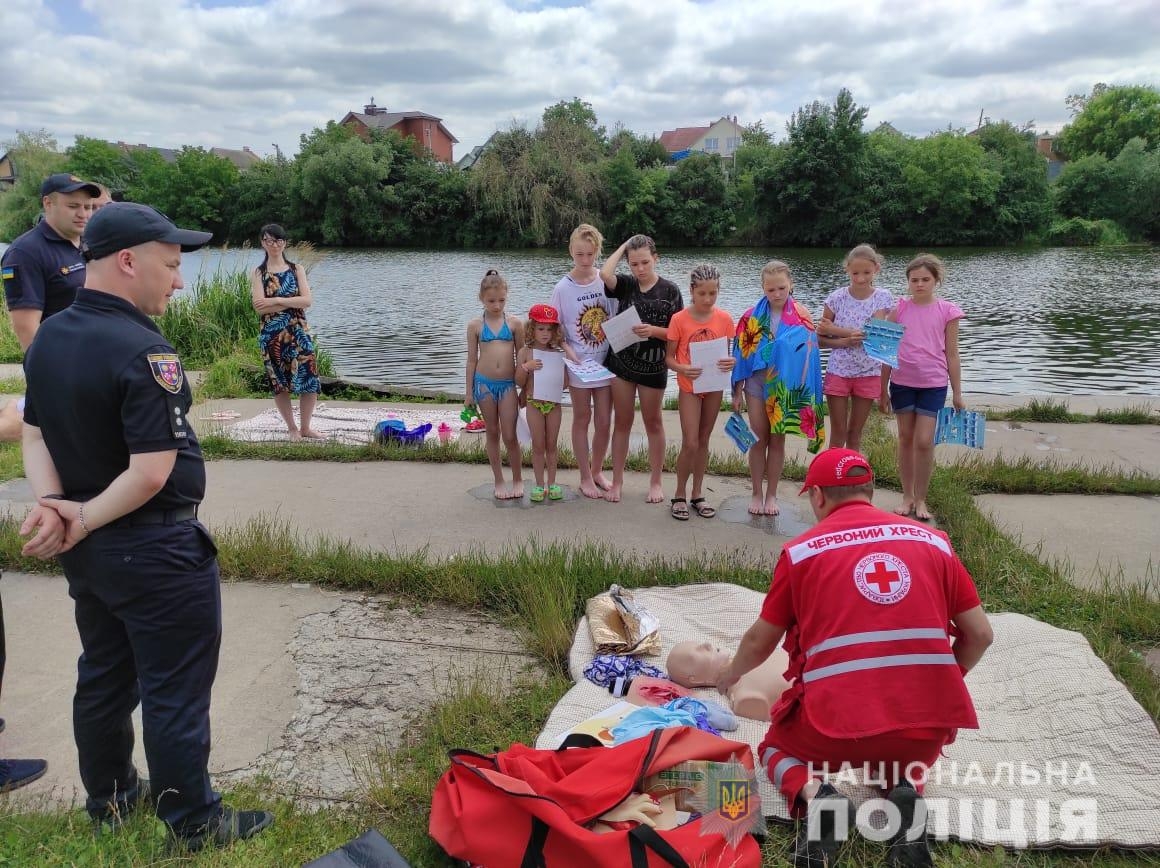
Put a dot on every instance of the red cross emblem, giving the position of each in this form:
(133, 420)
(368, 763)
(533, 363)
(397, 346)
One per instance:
(882, 578)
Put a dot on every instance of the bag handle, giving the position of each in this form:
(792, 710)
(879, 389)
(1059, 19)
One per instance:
(644, 838)
(534, 854)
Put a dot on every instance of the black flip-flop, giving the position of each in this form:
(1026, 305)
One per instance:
(679, 509)
(703, 509)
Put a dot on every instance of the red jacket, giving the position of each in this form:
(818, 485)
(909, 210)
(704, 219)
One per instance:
(867, 598)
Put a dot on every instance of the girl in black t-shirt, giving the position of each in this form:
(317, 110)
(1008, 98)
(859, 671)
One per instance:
(640, 368)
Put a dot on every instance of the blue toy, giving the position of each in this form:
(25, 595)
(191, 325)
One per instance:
(394, 431)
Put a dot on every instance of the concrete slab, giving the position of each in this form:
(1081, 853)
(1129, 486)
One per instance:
(1124, 448)
(406, 506)
(1093, 538)
(254, 699)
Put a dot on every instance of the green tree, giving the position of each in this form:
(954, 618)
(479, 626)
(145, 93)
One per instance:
(1109, 119)
(263, 195)
(100, 161)
(1023, 200)
(341, 193)
(150, 176)
(1125, 190)
(647, 151)
(198, 191)
(35, 157)
(813, 193)
(952, 188)
(699, 211)
(575, 113)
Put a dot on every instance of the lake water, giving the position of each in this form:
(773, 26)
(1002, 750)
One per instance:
(1059, 320)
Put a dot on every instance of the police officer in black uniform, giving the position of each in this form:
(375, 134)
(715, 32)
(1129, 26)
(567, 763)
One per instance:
(119, 475)
(43, 268)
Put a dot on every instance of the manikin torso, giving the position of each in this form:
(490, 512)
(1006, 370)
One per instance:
(700, 664)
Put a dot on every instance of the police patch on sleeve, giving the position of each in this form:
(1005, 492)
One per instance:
(166, 370)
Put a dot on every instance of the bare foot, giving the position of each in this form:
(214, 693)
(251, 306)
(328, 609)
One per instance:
(295, 436)
(771, 507)
(655, 494)
(601, 482)
(756, 505)
(312, 434)
(907, 508)
(922, 512)
(613, 493)
(588, 489)
(502, 492)
(517, 490)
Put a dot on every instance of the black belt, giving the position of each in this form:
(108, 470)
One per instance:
(144, 517)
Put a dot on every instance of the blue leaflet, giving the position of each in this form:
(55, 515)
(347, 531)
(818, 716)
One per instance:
(739, 432)
(960, 428)
(882, 339)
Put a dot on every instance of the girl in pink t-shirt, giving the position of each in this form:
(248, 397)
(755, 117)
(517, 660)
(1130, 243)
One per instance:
(928, 357)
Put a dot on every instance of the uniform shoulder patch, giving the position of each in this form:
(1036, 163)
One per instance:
(166, 370)
(8, 272)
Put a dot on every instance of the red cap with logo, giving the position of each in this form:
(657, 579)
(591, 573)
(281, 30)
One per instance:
(544, 313)
(833, 466)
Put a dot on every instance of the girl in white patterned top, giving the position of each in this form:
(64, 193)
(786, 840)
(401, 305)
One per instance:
(853, 379)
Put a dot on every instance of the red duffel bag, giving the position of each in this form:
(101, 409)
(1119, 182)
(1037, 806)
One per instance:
(527, 808)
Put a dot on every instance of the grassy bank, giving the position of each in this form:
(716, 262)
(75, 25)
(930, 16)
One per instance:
(1054, 410)
(540, 590)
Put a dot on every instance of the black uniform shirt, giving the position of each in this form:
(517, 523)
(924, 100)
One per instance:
(103, 384)
(42, 271)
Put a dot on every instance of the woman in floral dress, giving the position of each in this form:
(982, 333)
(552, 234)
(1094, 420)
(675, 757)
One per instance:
(281, 295)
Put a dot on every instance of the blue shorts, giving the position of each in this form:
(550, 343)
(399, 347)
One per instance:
(923, 402)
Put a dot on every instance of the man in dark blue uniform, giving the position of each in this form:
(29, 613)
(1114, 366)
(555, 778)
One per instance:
(41, 271)
(119, 475)
(43, 268)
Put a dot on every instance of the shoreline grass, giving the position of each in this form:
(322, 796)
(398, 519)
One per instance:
(1056, 410)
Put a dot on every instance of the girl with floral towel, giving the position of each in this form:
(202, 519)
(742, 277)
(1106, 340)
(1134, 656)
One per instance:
(779, 374)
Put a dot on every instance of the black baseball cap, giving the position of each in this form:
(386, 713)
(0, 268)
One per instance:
(63, 182)
(121, 225)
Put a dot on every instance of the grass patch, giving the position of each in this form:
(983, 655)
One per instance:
(11, 385)
(10, 351)
(1055, 410)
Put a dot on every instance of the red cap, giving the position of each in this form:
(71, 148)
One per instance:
(833, 467)
(544, 313)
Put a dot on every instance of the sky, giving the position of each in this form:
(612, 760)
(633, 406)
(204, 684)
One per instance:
(260, 73)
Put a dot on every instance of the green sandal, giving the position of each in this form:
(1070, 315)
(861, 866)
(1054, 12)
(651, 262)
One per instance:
(555, 492)
(537, 495)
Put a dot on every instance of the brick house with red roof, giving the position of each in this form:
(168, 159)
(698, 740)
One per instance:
(425, 129)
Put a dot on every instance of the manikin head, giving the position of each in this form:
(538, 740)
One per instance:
(696, 664)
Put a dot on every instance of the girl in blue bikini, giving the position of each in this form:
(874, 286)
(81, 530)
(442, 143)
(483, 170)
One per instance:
(491, 384)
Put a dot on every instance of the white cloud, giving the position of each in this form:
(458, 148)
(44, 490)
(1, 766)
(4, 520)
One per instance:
(173, 72)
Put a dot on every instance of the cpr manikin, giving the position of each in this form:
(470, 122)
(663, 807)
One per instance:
(700, 664)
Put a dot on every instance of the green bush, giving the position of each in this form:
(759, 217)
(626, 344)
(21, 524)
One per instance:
(1078, 232)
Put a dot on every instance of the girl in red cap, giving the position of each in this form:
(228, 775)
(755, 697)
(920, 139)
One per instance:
(543, 333)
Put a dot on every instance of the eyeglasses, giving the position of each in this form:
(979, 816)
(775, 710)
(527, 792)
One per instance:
(266, 239)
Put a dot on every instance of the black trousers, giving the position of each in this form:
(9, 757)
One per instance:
(2, 652)
(148, 609)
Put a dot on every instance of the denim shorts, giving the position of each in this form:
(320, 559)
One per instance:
(924, 402)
